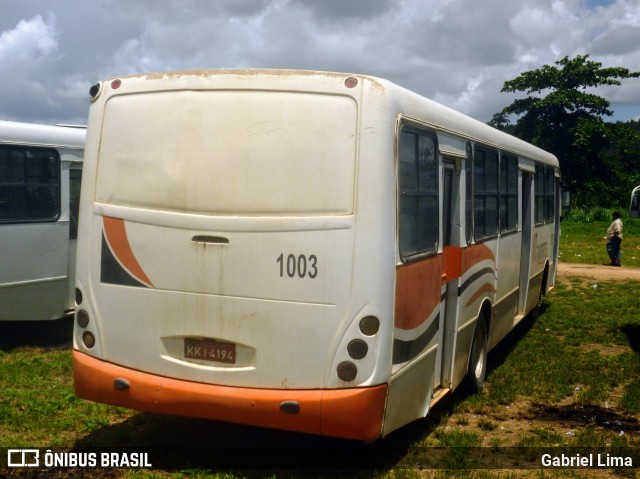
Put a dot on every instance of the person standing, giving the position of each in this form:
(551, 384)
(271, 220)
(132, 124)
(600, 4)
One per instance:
(614, 240)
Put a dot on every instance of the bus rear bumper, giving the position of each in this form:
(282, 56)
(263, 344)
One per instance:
(355, 413)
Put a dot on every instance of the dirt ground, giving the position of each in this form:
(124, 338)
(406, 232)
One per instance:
(597, 272)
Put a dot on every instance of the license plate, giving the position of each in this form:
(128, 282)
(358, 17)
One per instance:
(208, 350)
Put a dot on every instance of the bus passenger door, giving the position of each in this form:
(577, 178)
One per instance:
(451, 269)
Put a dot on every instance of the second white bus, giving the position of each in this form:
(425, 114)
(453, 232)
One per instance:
(40, 174)
(308, 251)
(634, 203)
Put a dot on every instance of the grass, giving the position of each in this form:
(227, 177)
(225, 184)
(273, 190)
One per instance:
(589, 342)
(583, 242)
(571, 378)
(37, 404)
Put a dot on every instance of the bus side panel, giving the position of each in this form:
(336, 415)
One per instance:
(507, 293)
(476, 285)
(38, 262)
(541, 253)
(33, 277)
(410, 392)
(415, 344)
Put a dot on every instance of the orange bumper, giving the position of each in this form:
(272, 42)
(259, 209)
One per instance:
(355, 413)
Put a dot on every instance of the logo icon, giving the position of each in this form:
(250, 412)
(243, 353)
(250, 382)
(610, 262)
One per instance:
(23, 457)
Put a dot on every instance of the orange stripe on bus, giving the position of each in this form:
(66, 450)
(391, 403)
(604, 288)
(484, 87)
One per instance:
(116, 234)
(418, 284)
(485, 288)
(355, 413)
(474, 255)
(417, 292)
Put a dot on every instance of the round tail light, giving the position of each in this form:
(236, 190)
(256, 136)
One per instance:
(357, 349)
(88, 339)
(347, 371)
(369, 325)
(82, 318)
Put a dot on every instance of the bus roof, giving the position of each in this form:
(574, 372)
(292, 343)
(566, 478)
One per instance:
(17, 133)
(409, 103)
(456, 123)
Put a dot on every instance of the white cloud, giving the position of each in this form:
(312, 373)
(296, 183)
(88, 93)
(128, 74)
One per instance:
(458, 52)
(30, 40)
(27, 52)
(532, 26)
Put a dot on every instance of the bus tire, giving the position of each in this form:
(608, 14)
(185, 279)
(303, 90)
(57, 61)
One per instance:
(474, 380)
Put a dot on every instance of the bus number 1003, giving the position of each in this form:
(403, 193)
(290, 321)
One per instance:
(301, 266)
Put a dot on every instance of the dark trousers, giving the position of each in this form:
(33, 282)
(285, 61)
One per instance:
(613, 250)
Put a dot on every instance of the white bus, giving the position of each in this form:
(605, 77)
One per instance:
(307, 251)
(634, 203)
(40, 173)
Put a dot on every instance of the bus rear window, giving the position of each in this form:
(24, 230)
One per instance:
(229, 153)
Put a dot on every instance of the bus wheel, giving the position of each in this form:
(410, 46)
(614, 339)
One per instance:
(474, 381)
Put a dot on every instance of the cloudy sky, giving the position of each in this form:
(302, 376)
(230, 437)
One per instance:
(457, 52)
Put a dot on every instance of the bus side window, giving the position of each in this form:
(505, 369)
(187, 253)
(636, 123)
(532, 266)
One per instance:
(418, 188)
(549, 195)
(485, 199)
(29, 184)
(539, 193)
(508, 194)
(544, 184)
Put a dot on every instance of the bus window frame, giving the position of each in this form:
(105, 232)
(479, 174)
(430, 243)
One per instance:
(538, 195)
(417, 129)
(477, 237)
(505, 158)
(57, 185)
(549, 195)
(469, 203)
(544, 195)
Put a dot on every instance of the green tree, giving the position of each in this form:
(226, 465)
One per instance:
(622, 158)
(561, 115)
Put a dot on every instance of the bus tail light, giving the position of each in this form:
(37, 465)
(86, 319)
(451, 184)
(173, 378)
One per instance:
(88, 339)
(369, 325)
(355, 359)
(85, 329)
(357, 348)
(82, 318)
(347, 371)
